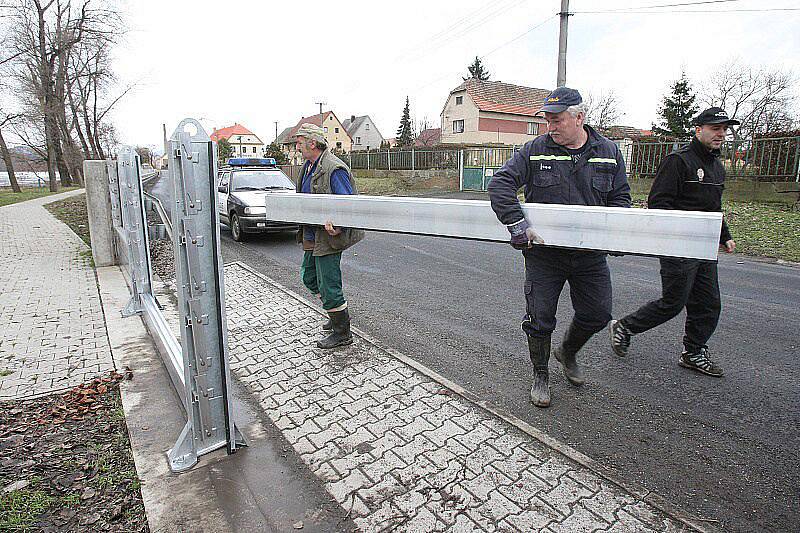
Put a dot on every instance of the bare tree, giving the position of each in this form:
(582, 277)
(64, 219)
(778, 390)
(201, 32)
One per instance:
(761, 99)
(603, 109)
(43, 36)
(6, 119)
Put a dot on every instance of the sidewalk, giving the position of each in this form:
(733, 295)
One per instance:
(52, 331)
(401, 448)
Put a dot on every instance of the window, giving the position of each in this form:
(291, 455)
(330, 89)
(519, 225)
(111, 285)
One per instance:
(326, 129)
(459, 100)
(458, 126)
(358, 140)
(366, 126)
(339, 145)
(336, 130)
(533, 128)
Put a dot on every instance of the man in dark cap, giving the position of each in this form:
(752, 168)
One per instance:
(690, 178)
(571, 164)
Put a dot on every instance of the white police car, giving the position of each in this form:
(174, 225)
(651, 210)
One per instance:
(241, 190)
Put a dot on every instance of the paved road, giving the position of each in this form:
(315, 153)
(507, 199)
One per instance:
(724, 449)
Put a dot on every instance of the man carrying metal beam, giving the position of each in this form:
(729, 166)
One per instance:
(324, 173)
(690, 178)
(572, 164)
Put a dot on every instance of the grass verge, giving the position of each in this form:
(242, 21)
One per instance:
(759, 229)
(7, 196)
(72, 212)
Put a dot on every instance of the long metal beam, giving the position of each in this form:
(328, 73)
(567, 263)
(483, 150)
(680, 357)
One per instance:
(690, 234)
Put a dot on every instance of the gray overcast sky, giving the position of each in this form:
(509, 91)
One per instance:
(258, 62)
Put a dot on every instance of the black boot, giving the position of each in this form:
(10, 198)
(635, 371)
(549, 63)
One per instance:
(328, 325)
(539, 348)
(574, 339)
(340, 336)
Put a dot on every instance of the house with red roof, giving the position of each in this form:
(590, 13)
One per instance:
(244, 142)
(481, 112)
(335, 134)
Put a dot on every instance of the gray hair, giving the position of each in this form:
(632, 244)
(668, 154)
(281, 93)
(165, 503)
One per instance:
(578, 108)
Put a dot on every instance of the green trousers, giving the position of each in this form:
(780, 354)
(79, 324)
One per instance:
(323, 275)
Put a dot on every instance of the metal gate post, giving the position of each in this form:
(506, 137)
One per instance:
(135, 227)
(461, 170)
(201, 298)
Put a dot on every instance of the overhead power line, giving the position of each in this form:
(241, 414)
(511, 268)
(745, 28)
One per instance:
(682, 4)
(712, 11)
(487, 54)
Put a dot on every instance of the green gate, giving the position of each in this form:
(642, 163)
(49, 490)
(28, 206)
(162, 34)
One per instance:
(480, 164)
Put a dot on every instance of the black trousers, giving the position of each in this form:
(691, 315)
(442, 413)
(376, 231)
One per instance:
(546, 271)
(689, 283)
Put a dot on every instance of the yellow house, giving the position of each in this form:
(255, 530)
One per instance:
(335, 134)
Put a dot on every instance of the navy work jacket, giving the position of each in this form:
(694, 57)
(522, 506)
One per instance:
(551, 175)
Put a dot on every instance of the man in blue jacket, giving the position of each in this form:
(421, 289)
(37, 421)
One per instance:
(571, 164)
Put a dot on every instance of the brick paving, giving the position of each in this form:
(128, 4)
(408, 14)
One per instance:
(52, 330)
(398, 450)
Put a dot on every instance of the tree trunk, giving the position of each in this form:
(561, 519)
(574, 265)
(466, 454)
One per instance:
(9, 164)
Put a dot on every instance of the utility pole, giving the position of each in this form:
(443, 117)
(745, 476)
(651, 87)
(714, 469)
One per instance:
(276, 131)
(561, 78)
(320, 104)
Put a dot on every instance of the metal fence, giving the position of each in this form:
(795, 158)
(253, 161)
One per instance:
(402, 159)
(198, 364)
(761, 159)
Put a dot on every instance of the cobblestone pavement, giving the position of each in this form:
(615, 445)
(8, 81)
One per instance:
(397, 449)
(52, 330)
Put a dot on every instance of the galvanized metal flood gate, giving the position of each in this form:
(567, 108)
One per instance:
(198, 365)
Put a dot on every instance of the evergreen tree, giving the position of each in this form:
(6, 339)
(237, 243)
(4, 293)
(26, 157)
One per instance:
(275, 151)
(224, 150)
(677, 110)
(405, 136)
(477, 70)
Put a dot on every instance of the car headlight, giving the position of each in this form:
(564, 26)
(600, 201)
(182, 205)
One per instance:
(255, 210)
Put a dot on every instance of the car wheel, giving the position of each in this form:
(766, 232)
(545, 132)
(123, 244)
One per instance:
(236, 229)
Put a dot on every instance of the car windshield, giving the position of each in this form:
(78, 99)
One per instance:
(260, 180)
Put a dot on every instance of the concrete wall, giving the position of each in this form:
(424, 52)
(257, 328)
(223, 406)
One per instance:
(98, 206)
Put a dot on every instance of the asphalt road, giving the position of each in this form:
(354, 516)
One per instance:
(724, 449)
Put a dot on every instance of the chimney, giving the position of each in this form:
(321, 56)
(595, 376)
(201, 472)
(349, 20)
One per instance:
(352, 118)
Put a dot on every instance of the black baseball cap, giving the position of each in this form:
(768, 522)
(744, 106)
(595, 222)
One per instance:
(560, 99)
(714, 115)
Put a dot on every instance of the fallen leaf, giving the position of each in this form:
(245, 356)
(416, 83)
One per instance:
(298, 525)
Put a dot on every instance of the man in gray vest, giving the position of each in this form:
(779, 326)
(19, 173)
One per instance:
(324, 173)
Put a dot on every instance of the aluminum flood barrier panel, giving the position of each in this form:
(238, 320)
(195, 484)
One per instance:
(198, 363)
(201, 297)
(690, 234)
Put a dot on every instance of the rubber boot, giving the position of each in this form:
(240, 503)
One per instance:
(328, 325)
(539, 348)
(574, 339)
(340, 336)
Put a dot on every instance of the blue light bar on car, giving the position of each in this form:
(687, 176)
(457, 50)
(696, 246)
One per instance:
(252, 162)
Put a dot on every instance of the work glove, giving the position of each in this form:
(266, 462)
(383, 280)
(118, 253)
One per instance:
(523, 236)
